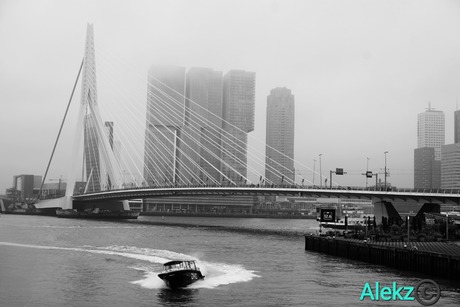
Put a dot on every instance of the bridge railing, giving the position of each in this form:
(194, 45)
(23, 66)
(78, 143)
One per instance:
(285, 186)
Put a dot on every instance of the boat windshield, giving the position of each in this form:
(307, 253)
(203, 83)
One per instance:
(184, 265)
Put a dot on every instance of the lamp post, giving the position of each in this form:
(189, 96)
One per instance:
(320, 173)
(367, 169)
(385, 169)
(408, 230)
(346, 223)
(447, 226)
(365, 223)
(314, 165)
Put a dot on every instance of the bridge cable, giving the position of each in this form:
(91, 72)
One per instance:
(60, 130)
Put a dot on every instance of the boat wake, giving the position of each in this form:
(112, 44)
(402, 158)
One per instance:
(216, 274)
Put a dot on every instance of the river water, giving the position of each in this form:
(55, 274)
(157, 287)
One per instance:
(48, 261)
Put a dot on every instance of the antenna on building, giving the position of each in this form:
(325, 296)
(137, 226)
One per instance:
(429, 106)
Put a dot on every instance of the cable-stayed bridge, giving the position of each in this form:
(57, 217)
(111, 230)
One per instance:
(422, 196)
(182, 140)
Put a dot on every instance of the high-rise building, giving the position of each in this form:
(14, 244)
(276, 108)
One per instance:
(450, 166)
(109, 131)
(450, 159)
(430, 134)
(279, 152)
(164, 121)
(238, 115)
(431, 131)
(426, 169)
(457, 126)
(184, 128)
(201, 133)
(91, 155)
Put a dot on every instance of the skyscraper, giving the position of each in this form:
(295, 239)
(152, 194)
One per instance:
(431, 130)
(430, 134)
(91, 155)
(201, 134)
(457, 126)
(279, 152)
(109, 130)
(450, 166)
(164, 120)
(238, 115)
(450, 159)
(426, 169)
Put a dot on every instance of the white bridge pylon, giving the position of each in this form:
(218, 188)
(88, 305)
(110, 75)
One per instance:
(103, 159)
(106, 156)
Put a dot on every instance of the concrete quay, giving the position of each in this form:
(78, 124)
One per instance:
(436, 259)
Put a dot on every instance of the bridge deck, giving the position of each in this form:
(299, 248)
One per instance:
(425, 196)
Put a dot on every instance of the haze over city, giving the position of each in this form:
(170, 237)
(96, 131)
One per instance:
(360, 71)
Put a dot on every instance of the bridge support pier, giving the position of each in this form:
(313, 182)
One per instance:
(429, 208)
(385, 209)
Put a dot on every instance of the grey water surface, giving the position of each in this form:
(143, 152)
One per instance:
(48, 261)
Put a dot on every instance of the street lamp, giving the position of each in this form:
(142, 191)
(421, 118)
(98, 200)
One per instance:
(346, 223)
(385, 169)
(408, 230)
(320, 173)
(314, 165)
(367, 169)
(447, 226)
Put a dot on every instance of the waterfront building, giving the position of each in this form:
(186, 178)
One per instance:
(202, 204)
(279, 150)
(301, 205)
(201, 135)
(430, 134)
(164, 121)
(450, 166)
(25, 187)
(238, 120)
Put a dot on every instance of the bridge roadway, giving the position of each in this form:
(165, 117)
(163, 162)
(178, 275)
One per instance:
(441, 196)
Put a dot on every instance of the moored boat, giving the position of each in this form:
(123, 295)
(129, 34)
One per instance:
(180, 273)
(97, 214)
(349, 223)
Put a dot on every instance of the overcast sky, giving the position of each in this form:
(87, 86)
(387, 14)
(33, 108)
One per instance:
(360, 71)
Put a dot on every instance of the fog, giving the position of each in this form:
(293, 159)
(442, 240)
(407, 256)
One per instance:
(360, 71)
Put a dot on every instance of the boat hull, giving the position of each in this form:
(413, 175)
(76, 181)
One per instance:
(98, 215)
(180, 279)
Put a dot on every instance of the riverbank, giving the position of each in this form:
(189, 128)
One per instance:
(437, 259)
(236, 215)
(52, 212)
